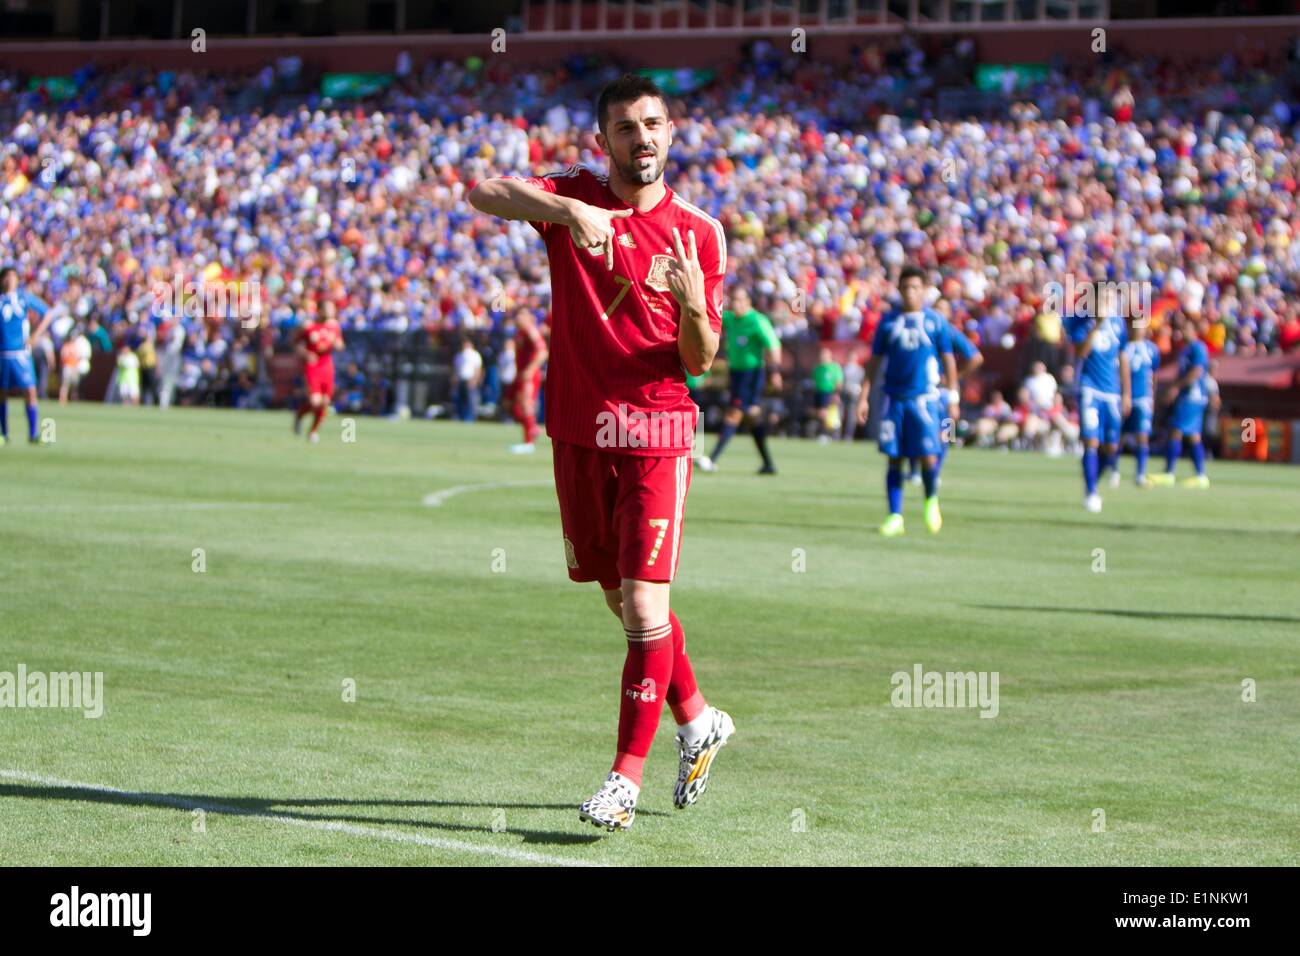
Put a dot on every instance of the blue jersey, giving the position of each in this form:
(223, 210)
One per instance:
(910, 343)
(14, 327)
(1195, 355)
(1100, 369)
(1143, 360)
(962, 347)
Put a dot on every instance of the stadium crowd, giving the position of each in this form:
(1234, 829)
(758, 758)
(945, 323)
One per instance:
(827, 178)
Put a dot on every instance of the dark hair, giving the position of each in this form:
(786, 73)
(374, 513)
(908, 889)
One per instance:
(5, 271)
(911, 272)
(626, 89)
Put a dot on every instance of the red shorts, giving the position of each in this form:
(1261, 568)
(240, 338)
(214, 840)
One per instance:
(513, 391)
(622, 514)
(320, 377)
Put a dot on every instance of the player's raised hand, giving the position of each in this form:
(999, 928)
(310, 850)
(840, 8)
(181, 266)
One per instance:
(685, 277)
(593, 228)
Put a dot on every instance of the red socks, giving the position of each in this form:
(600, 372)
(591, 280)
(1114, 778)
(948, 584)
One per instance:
(647, 671)
(684, 698)
(656, 668)
(317, 418)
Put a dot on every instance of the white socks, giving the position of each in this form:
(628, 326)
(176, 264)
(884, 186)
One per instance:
(699, 728)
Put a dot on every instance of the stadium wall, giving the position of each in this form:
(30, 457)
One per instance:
(1001, 44)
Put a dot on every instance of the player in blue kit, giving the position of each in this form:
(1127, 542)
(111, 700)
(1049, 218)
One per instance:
(947, 402)
(1143, 360)
(1189, 398)
(1104, 394)
(17, 374)
(914, 344)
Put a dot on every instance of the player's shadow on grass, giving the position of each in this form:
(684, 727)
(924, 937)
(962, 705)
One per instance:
(261, 808)
(1145, 615)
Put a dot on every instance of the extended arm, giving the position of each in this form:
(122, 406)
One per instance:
(864, 399)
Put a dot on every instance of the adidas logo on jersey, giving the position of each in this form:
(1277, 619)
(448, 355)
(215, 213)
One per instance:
(625, 239)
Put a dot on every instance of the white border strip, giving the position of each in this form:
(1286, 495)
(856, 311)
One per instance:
(328, 826)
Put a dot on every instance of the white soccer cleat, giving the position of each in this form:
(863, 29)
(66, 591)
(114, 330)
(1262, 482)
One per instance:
(705, 463)
(1114, 478)
(613, 806)
(1092, 503)
(314, 438)
(523, 448)
(695, 762)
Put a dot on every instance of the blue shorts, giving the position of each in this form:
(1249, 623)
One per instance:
(1188, 416)
(1139, 418)
(1099, 417)
(16, 371)
(823, 399)
(747, 387)
(909, 427)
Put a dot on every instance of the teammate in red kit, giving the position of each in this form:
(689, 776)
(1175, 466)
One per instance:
(530, 355)
(317, 343)
(636, 288)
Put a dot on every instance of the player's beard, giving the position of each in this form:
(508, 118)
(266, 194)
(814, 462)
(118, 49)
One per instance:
(630, 172)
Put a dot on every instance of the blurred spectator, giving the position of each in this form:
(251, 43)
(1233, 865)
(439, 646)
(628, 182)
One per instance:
(468, 368)
(74, 363)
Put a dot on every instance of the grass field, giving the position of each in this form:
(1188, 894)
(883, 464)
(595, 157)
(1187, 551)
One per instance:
(486, 695)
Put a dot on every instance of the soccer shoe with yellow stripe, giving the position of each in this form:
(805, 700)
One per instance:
(696, 760)
(613, 806)
(1164, 479)
(1196, 481)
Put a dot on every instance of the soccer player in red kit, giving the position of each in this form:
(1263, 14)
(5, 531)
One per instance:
(636, 289)
(530, 355)
(317, 343)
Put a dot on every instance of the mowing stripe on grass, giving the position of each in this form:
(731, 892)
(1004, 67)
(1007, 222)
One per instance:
(438, 497)
(330, 826)
(147, 507)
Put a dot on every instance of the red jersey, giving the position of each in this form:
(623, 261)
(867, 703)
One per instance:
(614, 377)
(319, 337)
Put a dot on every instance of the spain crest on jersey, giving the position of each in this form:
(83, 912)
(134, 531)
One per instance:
(657, 277)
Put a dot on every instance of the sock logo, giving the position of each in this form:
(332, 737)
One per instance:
(645, 691)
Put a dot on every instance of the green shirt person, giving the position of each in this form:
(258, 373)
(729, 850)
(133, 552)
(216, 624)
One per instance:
(828, 377)
(828, 380)
(750, 337)
(753, 361)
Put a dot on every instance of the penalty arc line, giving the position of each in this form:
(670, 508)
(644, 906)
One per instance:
(329, 826)
(435, 499)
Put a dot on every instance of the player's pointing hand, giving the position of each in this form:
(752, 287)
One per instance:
(593, 228)
(685, 277)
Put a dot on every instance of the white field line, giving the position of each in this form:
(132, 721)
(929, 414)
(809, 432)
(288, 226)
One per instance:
(438, 497)
(328, 826)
